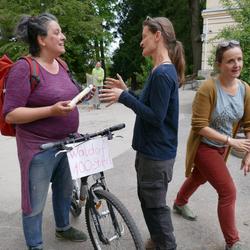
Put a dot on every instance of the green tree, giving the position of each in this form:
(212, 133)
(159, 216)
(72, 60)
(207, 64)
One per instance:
(79, 20)
(240, 11)
(106, 12)
(127, 59)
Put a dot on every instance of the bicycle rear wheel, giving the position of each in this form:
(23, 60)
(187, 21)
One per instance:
(116, 224)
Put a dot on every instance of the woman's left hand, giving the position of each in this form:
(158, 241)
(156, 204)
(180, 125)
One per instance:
(90, 94)
(110, 95)
(245, 164)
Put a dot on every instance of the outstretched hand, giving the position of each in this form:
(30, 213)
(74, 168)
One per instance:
(112, 90)
(110, 95)
(115, 83)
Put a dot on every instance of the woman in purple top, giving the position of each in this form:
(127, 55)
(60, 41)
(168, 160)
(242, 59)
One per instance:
(42, 115)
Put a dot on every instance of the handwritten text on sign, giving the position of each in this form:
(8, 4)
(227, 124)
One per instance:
(89, 158)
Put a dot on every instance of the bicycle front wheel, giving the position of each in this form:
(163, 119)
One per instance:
(109, 224)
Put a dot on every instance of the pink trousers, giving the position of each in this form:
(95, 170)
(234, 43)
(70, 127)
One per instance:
(210, 166)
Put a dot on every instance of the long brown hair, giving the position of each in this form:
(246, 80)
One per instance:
(174, 47)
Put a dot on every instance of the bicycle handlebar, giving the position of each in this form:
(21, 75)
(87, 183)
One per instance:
(83, 137)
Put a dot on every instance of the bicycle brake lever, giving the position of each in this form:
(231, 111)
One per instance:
(120, 136)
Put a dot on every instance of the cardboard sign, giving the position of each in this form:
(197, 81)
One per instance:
(89, 158)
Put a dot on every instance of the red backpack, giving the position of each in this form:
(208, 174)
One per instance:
(5, 65)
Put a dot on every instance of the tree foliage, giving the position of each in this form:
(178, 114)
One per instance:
(81, 21)
(127, 59)
(240, 11)
(105, 10)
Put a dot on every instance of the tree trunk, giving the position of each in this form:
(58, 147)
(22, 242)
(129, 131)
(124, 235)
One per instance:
(195, 10)
(103, 56)
(97, 49)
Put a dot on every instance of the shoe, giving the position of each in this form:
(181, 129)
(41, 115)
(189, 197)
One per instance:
(150, 245)
(72, 234)
(236, 246)
(34, 248)
(185, 212)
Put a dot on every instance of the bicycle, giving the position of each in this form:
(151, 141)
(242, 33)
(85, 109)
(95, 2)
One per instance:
(109, 223)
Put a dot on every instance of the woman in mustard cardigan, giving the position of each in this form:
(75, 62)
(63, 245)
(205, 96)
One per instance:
(218, 107)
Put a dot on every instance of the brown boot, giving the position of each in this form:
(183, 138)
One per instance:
(150, 245)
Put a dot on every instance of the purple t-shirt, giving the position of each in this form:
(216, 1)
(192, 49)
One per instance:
(29, 136)
(51, 89)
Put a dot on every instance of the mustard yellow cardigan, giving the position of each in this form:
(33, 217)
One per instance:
(203, 105)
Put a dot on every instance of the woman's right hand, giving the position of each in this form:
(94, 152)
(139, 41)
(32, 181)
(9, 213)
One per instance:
(241, 144)
(61, 108)
(115, 83)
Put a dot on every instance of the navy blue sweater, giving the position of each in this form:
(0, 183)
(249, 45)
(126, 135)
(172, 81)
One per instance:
(157, 111)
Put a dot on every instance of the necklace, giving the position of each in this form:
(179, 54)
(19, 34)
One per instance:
(167, 61)
(164, 62)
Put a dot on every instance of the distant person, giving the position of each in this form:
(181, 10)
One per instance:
(42, 116)
(219, 104)
(98, 76)
(156, 125)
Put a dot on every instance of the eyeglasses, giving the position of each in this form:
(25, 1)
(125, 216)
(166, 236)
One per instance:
(225, 44)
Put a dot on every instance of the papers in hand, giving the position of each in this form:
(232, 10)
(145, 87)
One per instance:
(80, 96)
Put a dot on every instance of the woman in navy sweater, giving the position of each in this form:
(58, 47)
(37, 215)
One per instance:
(156, 125)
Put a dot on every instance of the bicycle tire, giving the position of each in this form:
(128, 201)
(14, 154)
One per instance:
(130, 237)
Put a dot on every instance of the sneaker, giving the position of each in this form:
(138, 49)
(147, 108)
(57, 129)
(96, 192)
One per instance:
(34, 248)
(235, 246)
(150, 245)
(72, 234)
(185, 212)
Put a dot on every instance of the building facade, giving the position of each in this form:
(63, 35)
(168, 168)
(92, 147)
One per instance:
(215, 18)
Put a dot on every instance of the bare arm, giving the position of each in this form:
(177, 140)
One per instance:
(25, 115)
(242, 144)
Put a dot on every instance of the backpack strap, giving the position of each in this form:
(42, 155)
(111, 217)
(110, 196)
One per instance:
(34, 71)
(65, 66)
(63, 63)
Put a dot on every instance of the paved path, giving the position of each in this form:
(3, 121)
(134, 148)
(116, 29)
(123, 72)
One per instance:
(203, 234)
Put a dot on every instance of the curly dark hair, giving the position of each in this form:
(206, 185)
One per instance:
(30, 27)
